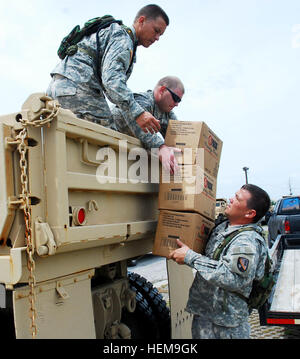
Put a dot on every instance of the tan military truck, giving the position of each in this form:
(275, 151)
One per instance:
(66, 234)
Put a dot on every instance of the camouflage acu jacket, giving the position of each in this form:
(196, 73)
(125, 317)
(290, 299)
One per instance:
(124, 121)
(212, 292)
(78, 73)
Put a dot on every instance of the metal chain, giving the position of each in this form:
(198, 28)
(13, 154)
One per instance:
(43, 117)
(28, 235)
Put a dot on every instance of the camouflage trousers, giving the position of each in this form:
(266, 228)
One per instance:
(85, 102)
(205, 329)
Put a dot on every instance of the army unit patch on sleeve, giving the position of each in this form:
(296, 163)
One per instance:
(242, 264)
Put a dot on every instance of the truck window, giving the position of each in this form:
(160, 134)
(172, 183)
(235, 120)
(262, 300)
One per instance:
(276, 206)
(290, 206)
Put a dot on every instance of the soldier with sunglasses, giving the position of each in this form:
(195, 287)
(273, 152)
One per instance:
(160, 102)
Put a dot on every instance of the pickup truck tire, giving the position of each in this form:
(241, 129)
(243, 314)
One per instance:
(151, 319)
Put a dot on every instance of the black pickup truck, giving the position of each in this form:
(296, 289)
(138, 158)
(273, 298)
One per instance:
(285, 218)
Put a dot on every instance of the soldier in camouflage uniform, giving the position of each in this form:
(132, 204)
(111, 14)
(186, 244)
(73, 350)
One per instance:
(160, 102)
(75, 83)
(218, 312)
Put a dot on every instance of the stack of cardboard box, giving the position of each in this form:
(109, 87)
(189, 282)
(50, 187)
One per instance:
(187, 199)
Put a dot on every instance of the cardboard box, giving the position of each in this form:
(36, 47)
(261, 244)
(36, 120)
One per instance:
(191, 189)
(191, 228)
(190, 136)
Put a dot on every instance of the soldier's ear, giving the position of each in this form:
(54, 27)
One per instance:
(251, 214)
(141, 19)
(162, 89)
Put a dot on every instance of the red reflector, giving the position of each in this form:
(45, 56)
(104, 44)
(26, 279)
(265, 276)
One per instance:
(81, 216)
(287, 227)
(280, 321)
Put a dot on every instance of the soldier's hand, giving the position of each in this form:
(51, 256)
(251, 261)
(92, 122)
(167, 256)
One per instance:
(168, 159)
(148, 123)
(178, 254)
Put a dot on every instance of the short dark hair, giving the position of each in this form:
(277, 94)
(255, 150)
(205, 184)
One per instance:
(153, 12)
(259, 201)
(172, 82)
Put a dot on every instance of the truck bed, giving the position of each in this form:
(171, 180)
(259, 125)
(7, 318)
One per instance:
(287, 292)
(285, 306)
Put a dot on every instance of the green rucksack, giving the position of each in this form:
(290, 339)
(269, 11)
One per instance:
(68, 46)
(261, 289)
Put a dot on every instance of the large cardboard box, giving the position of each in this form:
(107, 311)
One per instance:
(199, 144)
(190, 189)
(190, 228)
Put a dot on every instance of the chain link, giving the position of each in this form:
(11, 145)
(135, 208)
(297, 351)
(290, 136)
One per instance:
(43, 117)
(22, 148)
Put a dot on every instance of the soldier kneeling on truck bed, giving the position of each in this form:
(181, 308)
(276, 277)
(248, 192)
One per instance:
(103, 63)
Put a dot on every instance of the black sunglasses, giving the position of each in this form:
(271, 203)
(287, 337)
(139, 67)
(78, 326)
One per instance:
(175, 97)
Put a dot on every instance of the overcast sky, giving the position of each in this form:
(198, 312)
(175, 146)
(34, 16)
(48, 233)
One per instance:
(238, 59)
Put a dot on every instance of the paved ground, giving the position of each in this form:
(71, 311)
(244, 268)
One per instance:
(154, 269)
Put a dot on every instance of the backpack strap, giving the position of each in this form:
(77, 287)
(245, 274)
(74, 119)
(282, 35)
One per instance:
(228, 238)
(130, 33)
